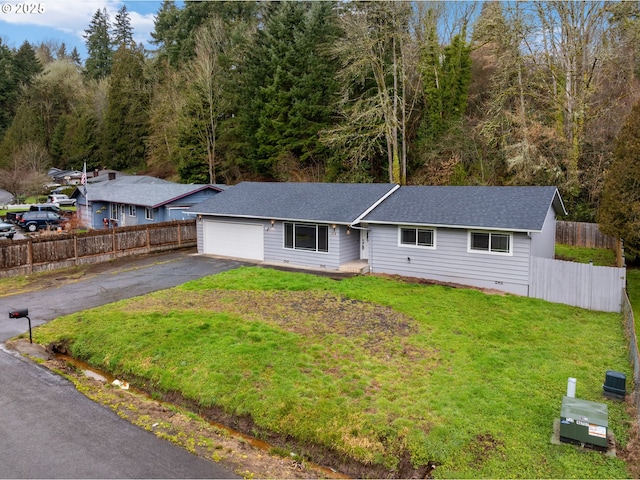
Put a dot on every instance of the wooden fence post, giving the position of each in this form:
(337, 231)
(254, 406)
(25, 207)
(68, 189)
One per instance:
(30, 256)
(619, 253)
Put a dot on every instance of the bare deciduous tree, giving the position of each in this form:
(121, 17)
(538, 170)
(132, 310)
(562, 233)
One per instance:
(24, 173)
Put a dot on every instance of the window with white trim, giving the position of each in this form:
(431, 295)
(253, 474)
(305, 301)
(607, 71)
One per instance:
(417, 237)
(490, 242)
(113, 211)
(148, 213)
(305, 236)
(132, 210)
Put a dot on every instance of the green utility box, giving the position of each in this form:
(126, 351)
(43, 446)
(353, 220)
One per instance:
(584, 422)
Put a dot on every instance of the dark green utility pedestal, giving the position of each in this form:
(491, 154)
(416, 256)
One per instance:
(584, 423)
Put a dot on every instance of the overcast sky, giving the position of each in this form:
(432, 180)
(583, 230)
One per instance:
(66, 20)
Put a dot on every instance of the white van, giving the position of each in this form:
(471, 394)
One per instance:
(60, 199)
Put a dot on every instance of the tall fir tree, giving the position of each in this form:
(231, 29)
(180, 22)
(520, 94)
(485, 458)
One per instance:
(26, 64)
(446, 76)
(99, 46)
(127, 114)
(9, 87)
(619, 212)
(291, 89)
(122, 30)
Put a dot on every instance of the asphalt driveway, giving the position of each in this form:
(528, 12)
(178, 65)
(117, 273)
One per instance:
(50, 430)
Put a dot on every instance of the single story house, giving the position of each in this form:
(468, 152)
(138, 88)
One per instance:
(137, 200)
(478, 236)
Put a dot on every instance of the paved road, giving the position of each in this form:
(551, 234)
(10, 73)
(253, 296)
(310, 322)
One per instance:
(47, 428)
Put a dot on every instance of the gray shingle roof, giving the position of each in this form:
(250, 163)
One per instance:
(501, 208)
(339, 203)
(141, 190)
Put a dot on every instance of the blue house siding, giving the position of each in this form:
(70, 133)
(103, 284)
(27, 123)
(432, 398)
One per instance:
(450, 261)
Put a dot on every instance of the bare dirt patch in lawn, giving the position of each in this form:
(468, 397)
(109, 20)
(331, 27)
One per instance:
(309, 314)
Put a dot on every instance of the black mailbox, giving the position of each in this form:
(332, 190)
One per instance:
(19, 313)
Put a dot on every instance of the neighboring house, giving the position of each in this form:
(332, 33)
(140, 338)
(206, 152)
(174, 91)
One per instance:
(137, 200)
(64, 177)
(479, 236)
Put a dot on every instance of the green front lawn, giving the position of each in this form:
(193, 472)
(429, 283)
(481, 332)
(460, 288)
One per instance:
(373, 368)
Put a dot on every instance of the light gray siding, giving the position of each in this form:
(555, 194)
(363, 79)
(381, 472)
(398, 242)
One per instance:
(200, 235)
(349, 244)
(450, 261)
(342, 247)
(543, 244)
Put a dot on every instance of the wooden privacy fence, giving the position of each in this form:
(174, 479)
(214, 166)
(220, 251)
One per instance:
(582, 234)
(579, 284)
(59, 250)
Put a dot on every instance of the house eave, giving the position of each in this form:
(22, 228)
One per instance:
(459, 227)
(276, 218)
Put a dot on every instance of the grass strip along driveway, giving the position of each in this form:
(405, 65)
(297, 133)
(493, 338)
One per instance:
(385, 373)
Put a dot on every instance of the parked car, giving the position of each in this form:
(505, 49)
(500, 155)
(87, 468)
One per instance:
(14, 217)
(7, 230)
(61, 199)
(33, 221)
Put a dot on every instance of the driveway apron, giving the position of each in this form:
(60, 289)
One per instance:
(50, 430)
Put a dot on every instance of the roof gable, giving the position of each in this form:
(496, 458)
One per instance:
(313, 202)
(500, 208)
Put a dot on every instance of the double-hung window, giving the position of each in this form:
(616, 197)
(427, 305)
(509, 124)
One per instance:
(490, 242)
(148, 213)
(305, 236)
(132, 210)
(113, 211)
(417, 237)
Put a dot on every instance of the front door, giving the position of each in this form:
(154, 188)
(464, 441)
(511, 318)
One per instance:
(364, 244)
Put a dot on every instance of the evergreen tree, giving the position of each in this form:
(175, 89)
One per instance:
(122, 30)
(99, 46)
(61, 52)
(26, 65)
(75, 57)
(166, 34)
(126, 117)
(290, 90)
(446, 76)
(619, 212)
(175, 28)
(8, 87)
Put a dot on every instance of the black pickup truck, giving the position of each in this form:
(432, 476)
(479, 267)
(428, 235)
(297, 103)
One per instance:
(14, 217)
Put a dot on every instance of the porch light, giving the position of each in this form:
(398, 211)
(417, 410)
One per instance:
(273, 222)
(334, 228)
(349, 230)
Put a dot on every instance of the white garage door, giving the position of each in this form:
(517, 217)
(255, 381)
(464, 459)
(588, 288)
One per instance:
(239, 240)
